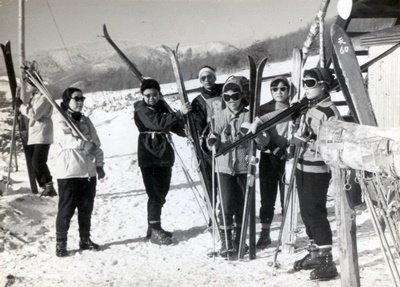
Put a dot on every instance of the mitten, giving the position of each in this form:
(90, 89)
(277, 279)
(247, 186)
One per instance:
(100, 172)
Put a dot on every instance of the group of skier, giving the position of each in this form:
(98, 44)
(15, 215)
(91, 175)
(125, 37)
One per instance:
(220, 113)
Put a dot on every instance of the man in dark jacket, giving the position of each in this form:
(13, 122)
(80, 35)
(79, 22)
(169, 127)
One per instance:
(203, 106)
(155, 121)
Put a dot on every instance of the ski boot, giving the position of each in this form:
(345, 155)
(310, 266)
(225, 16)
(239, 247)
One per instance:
(310, 261)
(264, 240)
(48, 190)
(160, 237)
(86, 244)
(326, 269)
(236, 240)
(149, 232)
(226, 246)
(61, 248)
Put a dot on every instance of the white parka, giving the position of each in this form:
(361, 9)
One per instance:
(38, 111)
(73, 160)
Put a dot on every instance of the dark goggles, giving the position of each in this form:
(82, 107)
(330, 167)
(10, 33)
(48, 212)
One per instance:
(282, 89)
(79, 99)
(311, 82)
(234, 97)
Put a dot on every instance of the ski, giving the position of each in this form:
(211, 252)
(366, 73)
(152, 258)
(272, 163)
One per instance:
(191, 132)
(22, 126)
(364, 67)
(248, 221)
(33, 77)
(285, 115)
(349, 75)
(289, 226)
(132, 67)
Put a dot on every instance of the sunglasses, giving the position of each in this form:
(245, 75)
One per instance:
(79, 99)
(154, 95)
(234, 97)
(208, 77)
(311, 82)
(282, 89)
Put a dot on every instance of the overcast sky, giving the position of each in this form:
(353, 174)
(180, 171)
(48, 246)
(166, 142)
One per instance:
(239, 22)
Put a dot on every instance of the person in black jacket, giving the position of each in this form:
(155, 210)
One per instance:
(156, 157)
(204, 106)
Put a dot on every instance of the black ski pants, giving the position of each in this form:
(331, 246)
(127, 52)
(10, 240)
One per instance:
(75, 193)
(232, 192)
(272, 172)
(40, 154)
(313, 189)
(157, 181)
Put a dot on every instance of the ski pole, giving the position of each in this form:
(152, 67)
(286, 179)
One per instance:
(189, 179)
(215, 170)
(274, 264)
(12, 145)
(381, 235)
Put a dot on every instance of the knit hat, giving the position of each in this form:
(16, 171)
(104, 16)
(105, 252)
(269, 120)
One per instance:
(67, 96)
(275, 81)
(149, 84)
(235, 84)
(207, 69)
(321, 74)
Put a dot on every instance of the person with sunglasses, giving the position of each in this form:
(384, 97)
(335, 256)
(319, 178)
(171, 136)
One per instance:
(38, 111)
(273, 160)
(313, 175)
(203, 106)
(79, 161)
(232, 167)
(155, 122)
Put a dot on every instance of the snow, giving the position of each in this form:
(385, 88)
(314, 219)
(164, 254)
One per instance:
(27, 225)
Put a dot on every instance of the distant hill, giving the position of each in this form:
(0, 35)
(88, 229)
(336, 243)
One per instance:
(96, 66)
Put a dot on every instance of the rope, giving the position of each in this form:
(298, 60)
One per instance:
(62, 40)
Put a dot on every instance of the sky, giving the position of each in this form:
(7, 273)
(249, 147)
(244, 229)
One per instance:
(62, 23)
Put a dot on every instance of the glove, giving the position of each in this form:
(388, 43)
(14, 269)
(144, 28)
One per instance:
(254, 126)
(262, 140)
(17, 102)
(213, 141)
(300, 141)
(88, 146)
(100, 172)
(185, 108)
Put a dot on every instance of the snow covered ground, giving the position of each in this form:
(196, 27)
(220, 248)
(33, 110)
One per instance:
(27, 226)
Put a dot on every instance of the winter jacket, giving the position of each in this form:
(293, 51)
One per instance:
(279, 132)
(38, 111)
(310, 160)
(155, 124)
(201, 108)
(73, 160)
(226, 125)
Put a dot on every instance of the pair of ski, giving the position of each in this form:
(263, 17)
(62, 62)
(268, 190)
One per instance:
(190, 129)
(22, 125)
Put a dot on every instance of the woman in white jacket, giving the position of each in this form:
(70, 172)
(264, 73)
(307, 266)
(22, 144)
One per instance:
(78, 163)
(40, 136)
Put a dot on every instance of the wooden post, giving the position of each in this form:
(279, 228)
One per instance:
(346, 229)
(21, 18)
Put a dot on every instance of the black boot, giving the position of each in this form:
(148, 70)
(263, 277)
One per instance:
(226, 246)
(48, 190)
(236, 240)
(310, 261)
(86, 244)
(264, 240)
(326, 269)
(149, 231)
(158, 236)
(61, 248)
